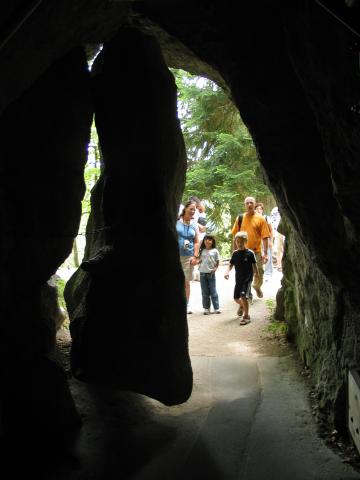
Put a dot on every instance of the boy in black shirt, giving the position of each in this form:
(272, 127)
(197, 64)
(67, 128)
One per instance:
(245, 268)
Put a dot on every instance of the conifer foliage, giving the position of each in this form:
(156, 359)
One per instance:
(223, 167)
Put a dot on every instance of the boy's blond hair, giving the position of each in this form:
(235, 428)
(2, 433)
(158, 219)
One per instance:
(242, 235)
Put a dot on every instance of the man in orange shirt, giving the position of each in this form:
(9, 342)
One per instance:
(258, 232)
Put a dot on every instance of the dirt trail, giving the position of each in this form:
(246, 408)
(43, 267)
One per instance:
(218, 335)
(214, 420)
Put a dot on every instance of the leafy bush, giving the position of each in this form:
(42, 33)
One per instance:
(60, 286)
(275, 327)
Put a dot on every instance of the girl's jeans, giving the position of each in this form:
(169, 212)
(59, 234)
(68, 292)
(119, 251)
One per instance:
(208, 290)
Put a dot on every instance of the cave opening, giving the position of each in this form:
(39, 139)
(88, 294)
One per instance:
(299, 101)
(222, 168)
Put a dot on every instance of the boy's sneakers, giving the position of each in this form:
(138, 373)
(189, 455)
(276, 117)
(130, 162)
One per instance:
(207, 311)
(217, 311)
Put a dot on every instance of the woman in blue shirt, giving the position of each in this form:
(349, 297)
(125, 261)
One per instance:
(188, 238)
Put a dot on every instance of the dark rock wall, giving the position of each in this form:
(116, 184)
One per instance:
(44, 137)
(134, 336)
(34, 34)
(292, 74)
(326, 284)
(308, 142)
(315, 312)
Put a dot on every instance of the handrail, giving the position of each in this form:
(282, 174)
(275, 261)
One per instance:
(29, 12)
(337, 17)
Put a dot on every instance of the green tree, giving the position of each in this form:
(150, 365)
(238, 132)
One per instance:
(223, 167)
(91, 175)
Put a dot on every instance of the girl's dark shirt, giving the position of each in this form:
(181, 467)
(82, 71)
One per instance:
(243, 261)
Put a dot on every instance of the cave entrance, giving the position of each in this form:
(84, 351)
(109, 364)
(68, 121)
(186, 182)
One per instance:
(222, 170)
(222, 163)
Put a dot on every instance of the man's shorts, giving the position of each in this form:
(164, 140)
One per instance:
(187, 268)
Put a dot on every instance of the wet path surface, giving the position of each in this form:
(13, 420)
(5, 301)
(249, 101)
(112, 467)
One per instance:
(248, 417)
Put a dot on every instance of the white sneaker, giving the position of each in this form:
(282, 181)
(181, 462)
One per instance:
(207, 311)
(217, 311)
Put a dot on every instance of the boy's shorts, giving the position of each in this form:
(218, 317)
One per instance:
(242, 290)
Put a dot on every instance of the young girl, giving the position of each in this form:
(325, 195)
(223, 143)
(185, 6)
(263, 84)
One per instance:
(208, 264)
(245, 268)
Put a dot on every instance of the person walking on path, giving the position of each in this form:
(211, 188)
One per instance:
(245, 269)
(208, 264)
(257, 233)
(268, 267)
(188, 239)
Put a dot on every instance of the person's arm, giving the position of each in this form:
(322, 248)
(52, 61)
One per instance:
(265, 235)
(216, 267)
(217, 261)
(265, 249)
(271, 239)
(226, 274)
(254, 265)
(195, 258)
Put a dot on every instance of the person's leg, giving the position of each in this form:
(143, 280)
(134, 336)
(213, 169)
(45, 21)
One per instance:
(268, 268)
(205, 291)
(240, 309)
(187, 290)
(280, 251)
(258, 279)
(213, 292)
(188, 272)
(246, 317)
(245, 305)
(237, 295)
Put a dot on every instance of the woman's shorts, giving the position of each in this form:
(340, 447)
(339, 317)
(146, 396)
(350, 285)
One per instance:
(187, 268)
(242, 290)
